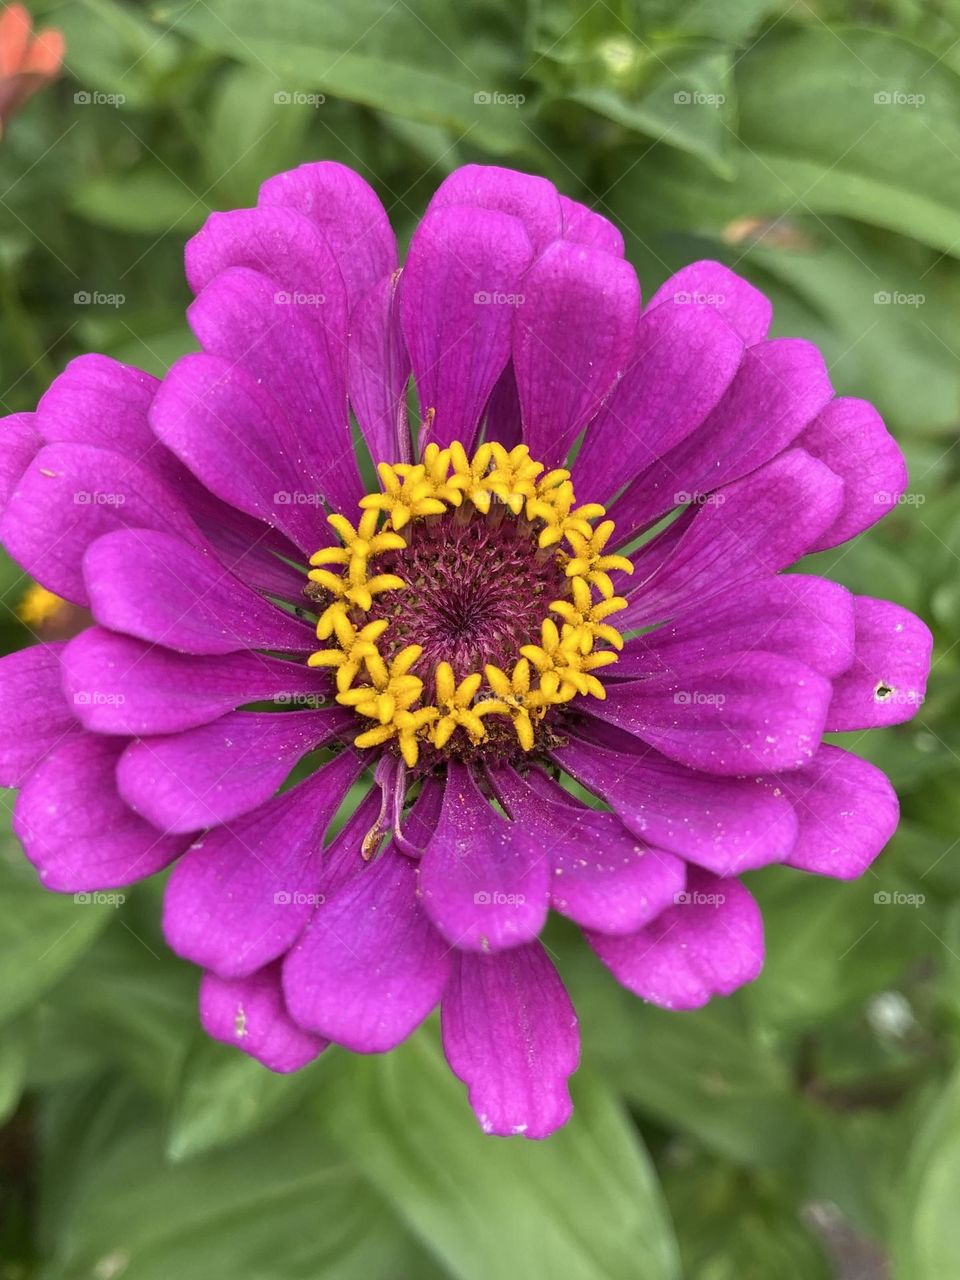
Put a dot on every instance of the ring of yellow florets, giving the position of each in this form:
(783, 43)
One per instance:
(386, 690)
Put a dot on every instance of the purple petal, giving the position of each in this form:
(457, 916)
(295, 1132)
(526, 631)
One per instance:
(778, 389)
(750, 712)
(484, 880)
(75, 828)
(888, 679)
(682, 362)
(457, 303)
(586, 226)
(570, 291)
(19, 444)
(378, 371)
(711, 284)
(533, 200)
(343, 858)
(849, 436)
(234, 438)
(158, 587)
(510, 1034)
(751, 528)
(212, 774)
(243, 544)
(72, 494)
(727, 825)
(279, 243)
(34, 715)
(709, 944)
(603, 876)
(421, 822)
(847, 810)
(249, 1014)
(370, 966)
(348, 214)
(242, 317)
(116, 684)
(241, 895)
(806, 618)
(502, 420)
(99, 401)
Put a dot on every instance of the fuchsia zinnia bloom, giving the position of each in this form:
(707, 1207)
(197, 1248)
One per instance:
(482, 625)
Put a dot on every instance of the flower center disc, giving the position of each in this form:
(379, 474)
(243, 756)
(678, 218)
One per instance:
(477, 588)
(436, 607)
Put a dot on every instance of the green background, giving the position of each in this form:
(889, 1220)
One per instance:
(808, 1127)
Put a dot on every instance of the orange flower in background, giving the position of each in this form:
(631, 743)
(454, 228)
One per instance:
(27, 62)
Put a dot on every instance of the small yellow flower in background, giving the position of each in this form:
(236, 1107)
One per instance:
(38, 605)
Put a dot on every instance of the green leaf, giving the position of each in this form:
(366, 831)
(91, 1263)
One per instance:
(877, 301)
(689, 104)
(224, 1095)
(708, 1072)
(831, 944)
(926, 1235)
(739, 1228)
(251, 132)
(154, 352)
(129, 1003)
(723, 21)
(583, 1204)
(855, 1160)
(829, 122)
(661, 75)
(42, 934)
(950, 956)
(421, 59)
(14, 1042)
(867, 567)
(814, 142)
(285, 1206)
(113, 48)
(148, 200)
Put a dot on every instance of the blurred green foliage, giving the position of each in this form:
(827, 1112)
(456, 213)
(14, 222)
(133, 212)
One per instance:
(809, 1127)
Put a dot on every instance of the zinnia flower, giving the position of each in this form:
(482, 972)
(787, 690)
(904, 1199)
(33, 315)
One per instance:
(27, 62)
(575, 678)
